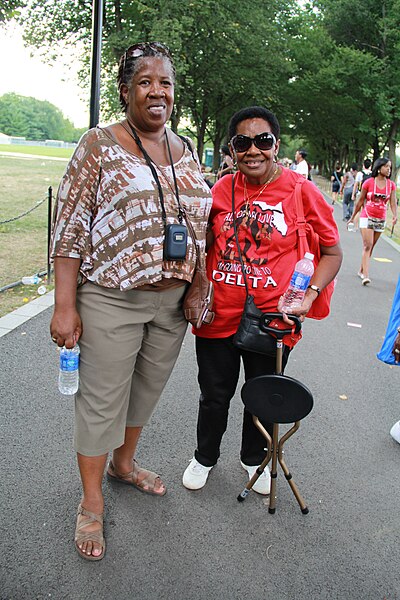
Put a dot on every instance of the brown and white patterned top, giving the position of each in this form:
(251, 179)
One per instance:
(108, 214)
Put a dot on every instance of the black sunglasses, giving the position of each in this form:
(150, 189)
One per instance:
(137, 50)
(262, 141)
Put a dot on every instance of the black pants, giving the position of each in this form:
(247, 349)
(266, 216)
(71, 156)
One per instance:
(219, 366)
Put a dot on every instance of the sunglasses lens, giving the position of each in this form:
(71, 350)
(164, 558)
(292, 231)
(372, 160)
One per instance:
(241, 143)
(264, 141)
(139, 49)
(160, 47)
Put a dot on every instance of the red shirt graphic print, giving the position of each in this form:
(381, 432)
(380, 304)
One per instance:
(267, 233)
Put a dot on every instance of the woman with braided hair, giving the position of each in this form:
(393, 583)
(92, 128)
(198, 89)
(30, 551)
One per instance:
(126, 189)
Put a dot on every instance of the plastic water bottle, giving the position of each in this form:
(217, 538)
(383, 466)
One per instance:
(31, 280)
(68, 378)
(351, 227)
(303, 271)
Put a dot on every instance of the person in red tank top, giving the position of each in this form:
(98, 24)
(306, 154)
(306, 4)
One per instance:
(265, 216)
(376, 193)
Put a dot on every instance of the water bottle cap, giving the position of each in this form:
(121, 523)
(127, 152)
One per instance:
(309, 255)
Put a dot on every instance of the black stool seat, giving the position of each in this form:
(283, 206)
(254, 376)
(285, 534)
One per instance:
(277, 398)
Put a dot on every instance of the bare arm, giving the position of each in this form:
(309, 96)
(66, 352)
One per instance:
(358, 206)
(355, 189)
(393, 206)
(66, 325)
(343, 183)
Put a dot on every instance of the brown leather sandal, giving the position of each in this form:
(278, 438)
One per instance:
(89, 536)
(146, 485)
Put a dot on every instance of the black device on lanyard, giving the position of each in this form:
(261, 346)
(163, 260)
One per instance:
(175, 242)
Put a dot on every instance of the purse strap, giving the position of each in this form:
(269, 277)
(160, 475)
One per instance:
(300, 223)
(200, 262)
(237, 238)
(300, 220)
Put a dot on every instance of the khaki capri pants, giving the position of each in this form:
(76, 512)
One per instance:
(129, 346)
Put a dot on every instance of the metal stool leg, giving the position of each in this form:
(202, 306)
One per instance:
(274, 469)
(275, 449)
(286, 471)
(243, 495)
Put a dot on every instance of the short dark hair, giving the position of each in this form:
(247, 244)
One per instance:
(130, 64)
(380, 162)
(254, 112)
(354, 166)
(367, 163)
(302, 152)
(225, 150)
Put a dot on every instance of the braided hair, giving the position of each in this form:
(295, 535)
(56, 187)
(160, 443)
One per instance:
(131, 62)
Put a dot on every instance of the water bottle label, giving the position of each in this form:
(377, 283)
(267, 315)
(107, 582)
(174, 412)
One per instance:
(300, 280)
(69, 361)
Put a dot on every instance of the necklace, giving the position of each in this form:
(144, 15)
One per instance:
(256, 194)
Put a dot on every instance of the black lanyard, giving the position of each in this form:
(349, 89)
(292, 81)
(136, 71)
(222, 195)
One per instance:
(151, 164)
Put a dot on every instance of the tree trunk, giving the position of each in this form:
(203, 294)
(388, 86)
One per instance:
(118, 15)
(216, 157)
(201, 130)
(176, 117)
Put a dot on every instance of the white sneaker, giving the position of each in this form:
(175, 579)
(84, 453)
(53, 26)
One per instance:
(263, 483)
(395, 432)
(195, 475)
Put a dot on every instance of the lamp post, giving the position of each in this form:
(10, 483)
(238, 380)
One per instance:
(97, 19)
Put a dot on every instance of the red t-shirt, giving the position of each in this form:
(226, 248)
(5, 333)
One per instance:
(376, 207)
(268, 240)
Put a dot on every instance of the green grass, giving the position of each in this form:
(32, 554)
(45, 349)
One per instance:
(38, 150)
(23, 242)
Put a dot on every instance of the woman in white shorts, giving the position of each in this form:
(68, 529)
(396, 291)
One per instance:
(376, 192)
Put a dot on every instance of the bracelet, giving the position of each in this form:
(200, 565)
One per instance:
(315, 288)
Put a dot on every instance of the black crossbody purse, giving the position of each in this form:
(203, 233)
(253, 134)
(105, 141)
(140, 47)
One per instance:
(250, 336)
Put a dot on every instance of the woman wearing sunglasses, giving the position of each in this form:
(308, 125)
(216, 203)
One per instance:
(120, 226)
(265, 217)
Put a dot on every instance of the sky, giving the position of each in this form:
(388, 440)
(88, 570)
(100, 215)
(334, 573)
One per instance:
(29, 76)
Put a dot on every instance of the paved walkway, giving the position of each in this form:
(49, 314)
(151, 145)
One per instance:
(205, 545)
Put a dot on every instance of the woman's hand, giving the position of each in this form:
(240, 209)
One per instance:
(65, 327)
(302, 310)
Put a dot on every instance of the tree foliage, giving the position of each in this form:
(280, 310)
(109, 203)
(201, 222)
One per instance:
(9, 9)
(225, 58)
(330, 69)
(345, 95)
(34, 119)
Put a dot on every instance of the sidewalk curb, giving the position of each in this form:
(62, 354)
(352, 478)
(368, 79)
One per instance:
(22, 314)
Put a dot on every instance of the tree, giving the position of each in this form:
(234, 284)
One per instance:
(372, 29)
(33, 119)
(10, 9)
(226, 58)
